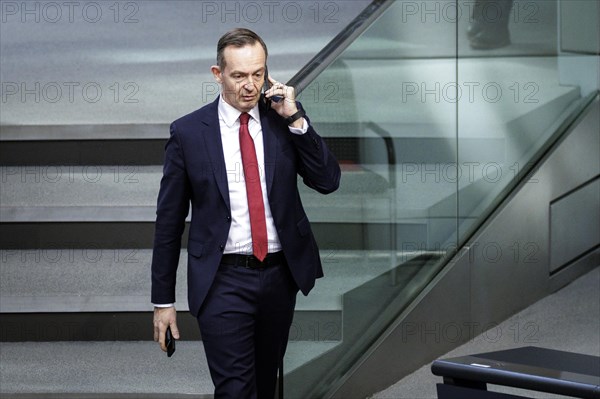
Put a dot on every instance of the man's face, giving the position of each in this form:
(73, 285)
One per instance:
(243, 75)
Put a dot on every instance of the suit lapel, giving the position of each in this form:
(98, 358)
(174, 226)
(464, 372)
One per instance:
(270, 148)
(214, 147)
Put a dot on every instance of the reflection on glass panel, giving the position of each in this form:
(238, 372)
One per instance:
(511, 98)
(435, 112)
(385, 232)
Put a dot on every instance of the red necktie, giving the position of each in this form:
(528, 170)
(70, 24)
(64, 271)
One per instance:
(258, 224)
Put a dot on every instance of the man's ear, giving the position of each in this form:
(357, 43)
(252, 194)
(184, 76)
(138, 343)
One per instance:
(216, 71)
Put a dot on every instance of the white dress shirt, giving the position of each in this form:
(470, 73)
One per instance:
(239, 240)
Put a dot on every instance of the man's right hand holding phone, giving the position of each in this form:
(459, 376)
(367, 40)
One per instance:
(164, 318)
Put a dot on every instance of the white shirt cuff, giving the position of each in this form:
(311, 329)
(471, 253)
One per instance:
(164, 305)
(301, 131)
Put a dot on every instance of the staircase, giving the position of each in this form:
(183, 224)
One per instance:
(76, 253)
(78, 203)
(78, 220)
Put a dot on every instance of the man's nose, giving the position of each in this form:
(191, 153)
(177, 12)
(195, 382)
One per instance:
(249, 85)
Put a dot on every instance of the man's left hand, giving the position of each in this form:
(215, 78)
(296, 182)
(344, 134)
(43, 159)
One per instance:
(286, 106)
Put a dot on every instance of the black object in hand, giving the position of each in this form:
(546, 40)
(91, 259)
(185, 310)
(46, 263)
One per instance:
(170, 342)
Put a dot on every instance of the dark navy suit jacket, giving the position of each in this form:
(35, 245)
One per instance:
(194, 173)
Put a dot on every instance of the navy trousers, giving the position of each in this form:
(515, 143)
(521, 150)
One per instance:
(245, 322)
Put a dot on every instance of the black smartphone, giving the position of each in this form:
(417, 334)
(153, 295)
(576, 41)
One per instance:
(267, 86)
(170, 341)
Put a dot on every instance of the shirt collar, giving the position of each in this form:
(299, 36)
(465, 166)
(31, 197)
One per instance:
(230, 115)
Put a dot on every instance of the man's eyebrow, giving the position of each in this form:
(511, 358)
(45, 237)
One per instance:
(235, 71)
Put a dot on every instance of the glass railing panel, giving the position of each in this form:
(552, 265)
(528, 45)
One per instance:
(385, 232)
(511, 98)
(435, 113)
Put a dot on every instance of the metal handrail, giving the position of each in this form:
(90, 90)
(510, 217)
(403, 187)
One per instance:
(338, 44)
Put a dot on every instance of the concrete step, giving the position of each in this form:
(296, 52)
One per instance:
(113, 206)
(102, 294)
(103, 367)
(87, 193)
(113, 193)
(105, 280)
(112, 368)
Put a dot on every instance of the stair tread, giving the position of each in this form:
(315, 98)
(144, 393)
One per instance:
(123, 194)
(103, 367)
(119, 367)
(118, 280)
(538, 70)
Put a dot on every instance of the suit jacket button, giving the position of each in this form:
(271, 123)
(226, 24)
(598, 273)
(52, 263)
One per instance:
(222, 247)
(229, 218)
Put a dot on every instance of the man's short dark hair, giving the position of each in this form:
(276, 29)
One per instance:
(238, 37)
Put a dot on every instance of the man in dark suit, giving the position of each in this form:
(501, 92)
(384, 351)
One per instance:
(250, 246)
